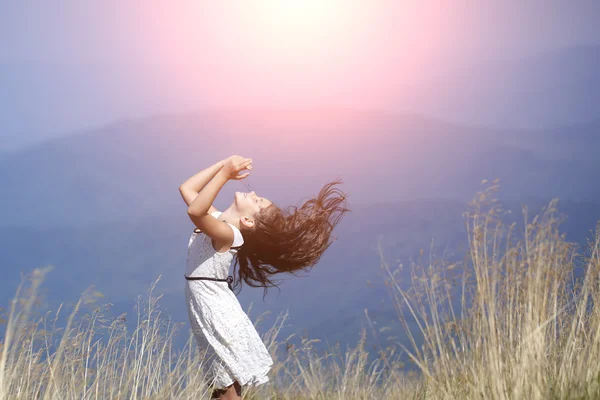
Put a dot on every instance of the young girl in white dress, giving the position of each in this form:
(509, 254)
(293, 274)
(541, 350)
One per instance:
(263, 240)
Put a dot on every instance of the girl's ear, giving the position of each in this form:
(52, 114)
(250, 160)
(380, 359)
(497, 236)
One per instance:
(247, 222)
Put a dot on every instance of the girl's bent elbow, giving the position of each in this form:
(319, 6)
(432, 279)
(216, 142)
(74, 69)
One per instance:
(196, 213)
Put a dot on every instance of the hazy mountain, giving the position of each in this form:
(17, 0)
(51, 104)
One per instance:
(559, 87)
(574, 142)
(132, 169)
(554, 88)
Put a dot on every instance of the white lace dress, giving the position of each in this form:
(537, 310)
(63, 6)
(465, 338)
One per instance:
(235, 351)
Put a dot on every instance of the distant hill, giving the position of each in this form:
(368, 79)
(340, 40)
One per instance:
(132, 169)
(579, 142)
(557, 87)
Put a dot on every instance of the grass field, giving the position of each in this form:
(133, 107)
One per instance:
(513, 321)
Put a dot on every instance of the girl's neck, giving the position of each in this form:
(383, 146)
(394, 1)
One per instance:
(231, 217)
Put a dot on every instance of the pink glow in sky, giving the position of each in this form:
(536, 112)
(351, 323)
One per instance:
(68, 65)
(287, 52)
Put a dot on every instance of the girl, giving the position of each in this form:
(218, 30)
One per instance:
(264, 240)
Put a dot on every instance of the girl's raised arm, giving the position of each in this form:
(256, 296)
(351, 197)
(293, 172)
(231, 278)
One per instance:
(198, 210)
(190, 188)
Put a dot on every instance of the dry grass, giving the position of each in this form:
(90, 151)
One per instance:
(525, 328)
(95, 357)
(511, 322)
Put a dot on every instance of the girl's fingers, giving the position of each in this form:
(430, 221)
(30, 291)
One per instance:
(245, 165)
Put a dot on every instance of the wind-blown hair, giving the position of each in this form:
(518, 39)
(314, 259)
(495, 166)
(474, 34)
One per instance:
(288, 240)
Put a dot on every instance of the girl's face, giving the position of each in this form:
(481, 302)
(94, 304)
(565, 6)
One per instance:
(249, 204)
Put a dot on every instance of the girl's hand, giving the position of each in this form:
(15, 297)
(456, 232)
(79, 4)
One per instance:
(234, 165)
(224, 161)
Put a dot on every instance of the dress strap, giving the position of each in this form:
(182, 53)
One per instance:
(229, 279)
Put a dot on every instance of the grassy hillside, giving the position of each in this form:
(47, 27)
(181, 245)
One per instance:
(524, 326)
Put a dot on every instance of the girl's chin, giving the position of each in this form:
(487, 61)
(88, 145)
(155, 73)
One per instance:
(238, 196)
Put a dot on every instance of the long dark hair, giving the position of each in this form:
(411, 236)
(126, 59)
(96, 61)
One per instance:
(289, 240)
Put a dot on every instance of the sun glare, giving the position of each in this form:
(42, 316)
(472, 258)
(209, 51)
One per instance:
(297, 12)
(296, 19)
(297, 52)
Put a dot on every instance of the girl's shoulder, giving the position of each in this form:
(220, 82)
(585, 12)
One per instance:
(238, 239)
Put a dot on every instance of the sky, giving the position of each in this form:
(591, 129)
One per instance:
(67, 65)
